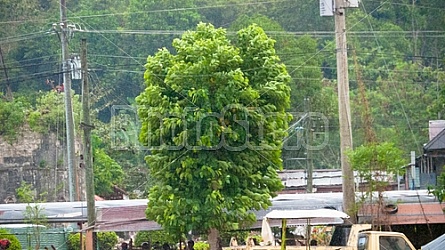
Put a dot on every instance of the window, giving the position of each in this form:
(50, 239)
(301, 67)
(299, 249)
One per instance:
(393, 243)
(362, 243)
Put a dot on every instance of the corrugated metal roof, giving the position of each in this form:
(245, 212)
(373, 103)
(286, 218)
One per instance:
(437, 143)
(61, 211)
(320, 177)
(305, 214)
(129, 215)
(404, 214)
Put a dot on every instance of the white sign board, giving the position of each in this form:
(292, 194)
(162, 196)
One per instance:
(352, 3)
(326, 7)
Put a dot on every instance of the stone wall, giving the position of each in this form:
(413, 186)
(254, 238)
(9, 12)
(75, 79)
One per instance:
(37, 160)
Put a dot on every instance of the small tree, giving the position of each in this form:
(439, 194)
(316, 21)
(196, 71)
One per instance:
(377, 164)
(213, 115)
(34, 213)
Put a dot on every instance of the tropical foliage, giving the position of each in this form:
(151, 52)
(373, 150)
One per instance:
(213, 115)
(377, 164)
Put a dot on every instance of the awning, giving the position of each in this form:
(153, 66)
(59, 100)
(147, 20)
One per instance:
(298, 217)
(306, 214)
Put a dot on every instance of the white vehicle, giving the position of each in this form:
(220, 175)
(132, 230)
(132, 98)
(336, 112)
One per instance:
(356, 237)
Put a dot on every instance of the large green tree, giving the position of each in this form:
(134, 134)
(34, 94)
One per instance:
(213, 114)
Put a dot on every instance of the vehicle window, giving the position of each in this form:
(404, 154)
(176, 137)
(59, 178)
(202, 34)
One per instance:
(340, 236)
(393, 243)
(362, 243)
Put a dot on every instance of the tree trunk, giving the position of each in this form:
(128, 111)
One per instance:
(214, 239)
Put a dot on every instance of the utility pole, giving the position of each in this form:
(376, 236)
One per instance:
(87, 149)
(344, 109)
(68, 105)
(9, 96)
(309, 164)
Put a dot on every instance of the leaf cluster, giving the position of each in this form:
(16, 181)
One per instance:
(377, 163)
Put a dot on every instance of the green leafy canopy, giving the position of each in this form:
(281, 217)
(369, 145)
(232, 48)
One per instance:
(213, 115)
(377, 162)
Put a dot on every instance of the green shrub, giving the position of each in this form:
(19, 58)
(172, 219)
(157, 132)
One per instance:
(201, 245)
(15, 243)
(74, 241)
(159, 236)
(106, 240)
(12, 117)
(49, 113)
(141, 237)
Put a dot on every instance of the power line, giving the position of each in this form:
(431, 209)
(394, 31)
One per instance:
(32, 59)
(117, 68)
(186, 8)
(113, 56)
(33, 65)
(20, 38)
(421, 6)
(388, 33)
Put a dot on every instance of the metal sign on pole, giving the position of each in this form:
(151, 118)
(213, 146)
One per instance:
(352, 3)
(326, 7)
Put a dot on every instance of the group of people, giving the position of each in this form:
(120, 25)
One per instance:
(250, 242)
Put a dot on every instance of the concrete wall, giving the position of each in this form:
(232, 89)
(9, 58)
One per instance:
(35, 159)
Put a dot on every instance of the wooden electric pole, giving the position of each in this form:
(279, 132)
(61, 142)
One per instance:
(68, 105)
(344, 109)
(87, 149)
(309, 132)
(8, 95)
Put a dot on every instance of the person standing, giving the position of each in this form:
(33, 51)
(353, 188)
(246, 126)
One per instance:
(190, 245)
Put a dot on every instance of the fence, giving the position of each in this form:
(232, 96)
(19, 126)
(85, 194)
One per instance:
(31, 236)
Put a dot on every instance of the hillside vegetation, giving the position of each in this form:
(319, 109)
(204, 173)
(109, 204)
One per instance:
(398, 45)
